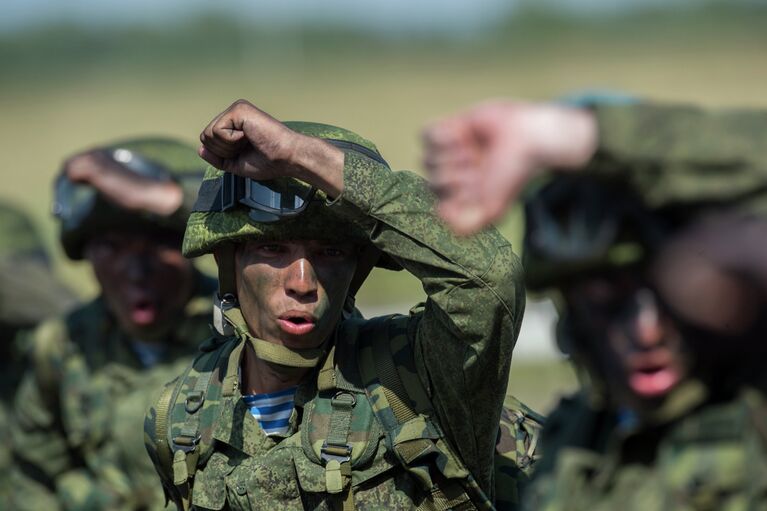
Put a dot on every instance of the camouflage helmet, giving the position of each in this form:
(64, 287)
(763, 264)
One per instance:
(28, 290)
(83, 212)
(206, 230)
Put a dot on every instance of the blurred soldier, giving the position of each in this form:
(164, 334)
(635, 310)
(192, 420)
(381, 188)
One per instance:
(655, 251)
(299, 402)
(77, 434)
(29, 293)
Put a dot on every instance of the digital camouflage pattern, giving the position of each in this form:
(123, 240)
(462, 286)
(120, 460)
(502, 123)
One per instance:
(206, 230)
(77, 432)
(460, 342)
(29, 292)
(698, 454)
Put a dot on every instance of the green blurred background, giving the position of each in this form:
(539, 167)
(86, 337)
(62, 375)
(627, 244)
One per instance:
(72, 80)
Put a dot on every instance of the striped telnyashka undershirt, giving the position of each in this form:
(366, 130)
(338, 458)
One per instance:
(272, 410)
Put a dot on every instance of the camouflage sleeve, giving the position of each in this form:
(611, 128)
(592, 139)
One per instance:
(465, 333)
(47, 467)
(673, 153)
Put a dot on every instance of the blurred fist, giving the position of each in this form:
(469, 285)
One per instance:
(247, 141)
(481, 159)
(124, 188)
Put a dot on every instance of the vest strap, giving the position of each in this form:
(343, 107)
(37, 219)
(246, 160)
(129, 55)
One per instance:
(443, 493)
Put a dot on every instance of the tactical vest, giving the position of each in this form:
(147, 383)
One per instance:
(713, 459)
(370, 416)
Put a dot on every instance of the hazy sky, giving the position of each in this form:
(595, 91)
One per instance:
(385, 16)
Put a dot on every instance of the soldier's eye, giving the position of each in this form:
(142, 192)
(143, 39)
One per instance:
(333, 252)
(271, 248)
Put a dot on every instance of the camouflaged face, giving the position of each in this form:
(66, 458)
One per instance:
(90, 369)
(205, 230)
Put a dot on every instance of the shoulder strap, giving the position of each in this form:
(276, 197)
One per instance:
(384, 355)
(162, 411)
(176, 425)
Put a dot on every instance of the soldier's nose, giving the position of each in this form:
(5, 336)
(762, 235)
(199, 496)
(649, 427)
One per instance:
(301, 280)
(648, 330)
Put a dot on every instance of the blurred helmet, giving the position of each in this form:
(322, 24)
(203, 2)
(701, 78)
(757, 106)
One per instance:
(578, 224)
(83, 212)
(29, 291)
(231, 209)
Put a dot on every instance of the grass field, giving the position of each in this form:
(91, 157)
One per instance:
(385, 96)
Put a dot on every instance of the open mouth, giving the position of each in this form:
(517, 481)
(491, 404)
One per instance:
(297, 323)
(653, 380)
(143, 312)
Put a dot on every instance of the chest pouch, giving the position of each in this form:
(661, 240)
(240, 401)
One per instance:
(339, 431)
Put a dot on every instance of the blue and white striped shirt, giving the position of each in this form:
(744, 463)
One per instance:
(272, 410)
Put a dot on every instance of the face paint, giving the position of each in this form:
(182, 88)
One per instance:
(292, 292)
(145, 280)
(637, 347)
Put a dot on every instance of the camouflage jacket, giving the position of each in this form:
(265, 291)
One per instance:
(703, 455)
(457, 346)
(713, 456)
(29, 293)
(76, 435)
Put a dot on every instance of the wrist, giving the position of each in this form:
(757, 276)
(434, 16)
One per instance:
(567, 137)
(317, 163)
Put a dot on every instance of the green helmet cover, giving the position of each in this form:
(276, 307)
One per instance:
(29, 291)
(207, 230)
(18, 236)
(177, 161)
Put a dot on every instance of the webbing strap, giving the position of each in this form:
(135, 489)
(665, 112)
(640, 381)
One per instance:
(226, 273)
(162, 412)
(186, 448)
(326, 378)
(391, 382)
(271, 352)
(232, 378)
(450, 494)
(194, 400)
(342, 405)
(336, 452)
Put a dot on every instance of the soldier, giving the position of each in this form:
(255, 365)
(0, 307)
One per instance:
(77, 434)
(654, 250)
(299, 402)
(29, 292)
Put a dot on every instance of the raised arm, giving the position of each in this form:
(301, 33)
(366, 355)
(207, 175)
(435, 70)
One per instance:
(465, 333)
(480, 160)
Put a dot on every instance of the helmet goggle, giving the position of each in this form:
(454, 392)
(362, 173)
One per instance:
(270, 200)
(574, 224)
(74, 201)
(267, 201)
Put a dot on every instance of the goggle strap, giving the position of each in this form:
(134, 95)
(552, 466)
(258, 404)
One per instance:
(345, 144)
(220, 194)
